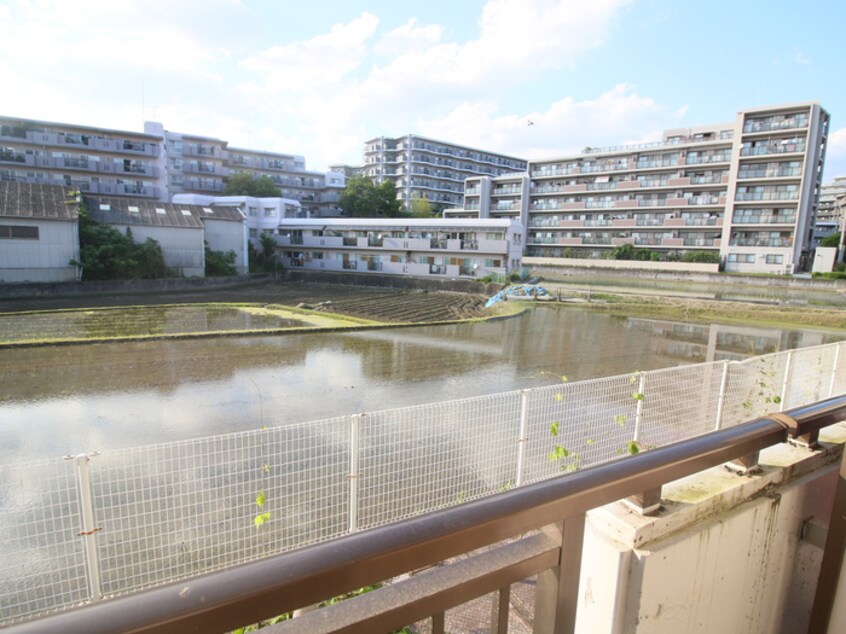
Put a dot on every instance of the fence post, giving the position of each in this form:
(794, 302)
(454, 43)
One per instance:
(834, 369)
(353, 477)
(89, 529)
(641, 386)
(785, 386)
(522, 438)
(722, 397)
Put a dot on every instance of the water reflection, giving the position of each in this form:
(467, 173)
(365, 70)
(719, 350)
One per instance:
(70, 399)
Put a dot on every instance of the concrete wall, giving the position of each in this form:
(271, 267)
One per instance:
(227, 235)
(183, 248)
(622, 265)
(389, 281)
(8, 291)
(578, 269)
(44, 260)
(724, 554)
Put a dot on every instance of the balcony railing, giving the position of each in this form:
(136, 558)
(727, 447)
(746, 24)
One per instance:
(536, 529)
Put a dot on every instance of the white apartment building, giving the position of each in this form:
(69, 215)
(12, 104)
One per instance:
(745, 191)
(829, 218)
(403, 246)
(430, 169)
(154, 165)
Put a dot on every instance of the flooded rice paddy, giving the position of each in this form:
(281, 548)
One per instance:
(60, 400)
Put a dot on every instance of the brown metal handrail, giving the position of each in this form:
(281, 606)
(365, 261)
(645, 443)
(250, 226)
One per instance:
(251, 592)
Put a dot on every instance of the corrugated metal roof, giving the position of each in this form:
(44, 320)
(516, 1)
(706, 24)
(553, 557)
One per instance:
(37, 201)
(130, 211)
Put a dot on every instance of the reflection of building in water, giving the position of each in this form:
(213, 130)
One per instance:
(693, 343)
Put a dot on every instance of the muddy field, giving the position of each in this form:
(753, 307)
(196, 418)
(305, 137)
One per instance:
(377, 304)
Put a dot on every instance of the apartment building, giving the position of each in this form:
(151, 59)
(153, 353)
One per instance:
(403, 246)
(430, 169)
(830, 210)
(93, 160)
(745, 191)
(154, 165)
(201, 165)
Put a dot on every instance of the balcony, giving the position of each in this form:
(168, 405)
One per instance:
(764, 125)
(772, 148)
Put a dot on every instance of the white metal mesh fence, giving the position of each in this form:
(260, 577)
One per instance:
(72, 531)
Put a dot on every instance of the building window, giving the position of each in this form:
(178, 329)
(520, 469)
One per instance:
(16, 232)
(775, 259)
(253, 211)
(254, 233)
(743, 258)
(269, 211)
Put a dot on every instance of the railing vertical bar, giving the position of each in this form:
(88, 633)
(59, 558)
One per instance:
(522, 438)
(355, 441)
(438, 623)
(557, 593)
(89, 529)
(721, 399)
(641, 386)
(499, 620)
(785, 385)
(834, 370)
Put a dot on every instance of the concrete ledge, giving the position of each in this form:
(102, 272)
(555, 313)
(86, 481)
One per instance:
(724, 554)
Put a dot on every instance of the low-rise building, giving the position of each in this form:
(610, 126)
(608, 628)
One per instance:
(39, 233)
(403, 246)
(262, 215)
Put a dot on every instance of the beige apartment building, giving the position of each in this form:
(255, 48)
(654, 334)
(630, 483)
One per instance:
(154, 165)
(745, 191)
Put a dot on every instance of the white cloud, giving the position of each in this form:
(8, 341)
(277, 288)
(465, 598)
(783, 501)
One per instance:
(618, 116)
(801, 58)
(409, 38)
(322, 60)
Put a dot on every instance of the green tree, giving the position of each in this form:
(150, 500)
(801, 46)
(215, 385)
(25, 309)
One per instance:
(421, 207)
(263, 260)
(245, 184)
(361, 198)
(831, 241)
(219, 264)
(107, 254)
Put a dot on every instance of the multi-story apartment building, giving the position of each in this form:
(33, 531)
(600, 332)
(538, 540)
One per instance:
(403, 246)
(745, 191)
(93, 160)
(155, 165)
(831, 208)
(201, 165)
(434, 170)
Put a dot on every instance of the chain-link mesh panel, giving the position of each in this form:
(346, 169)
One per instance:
(809, 375)
(43, 564)
(679, 403)
(417, 459)
(577, 425)
(176, 510)
(753, 388)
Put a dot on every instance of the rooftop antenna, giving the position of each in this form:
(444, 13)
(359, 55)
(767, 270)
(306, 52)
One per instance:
(143, 111)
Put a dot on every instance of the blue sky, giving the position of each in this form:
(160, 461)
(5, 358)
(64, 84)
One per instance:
(320, 78)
